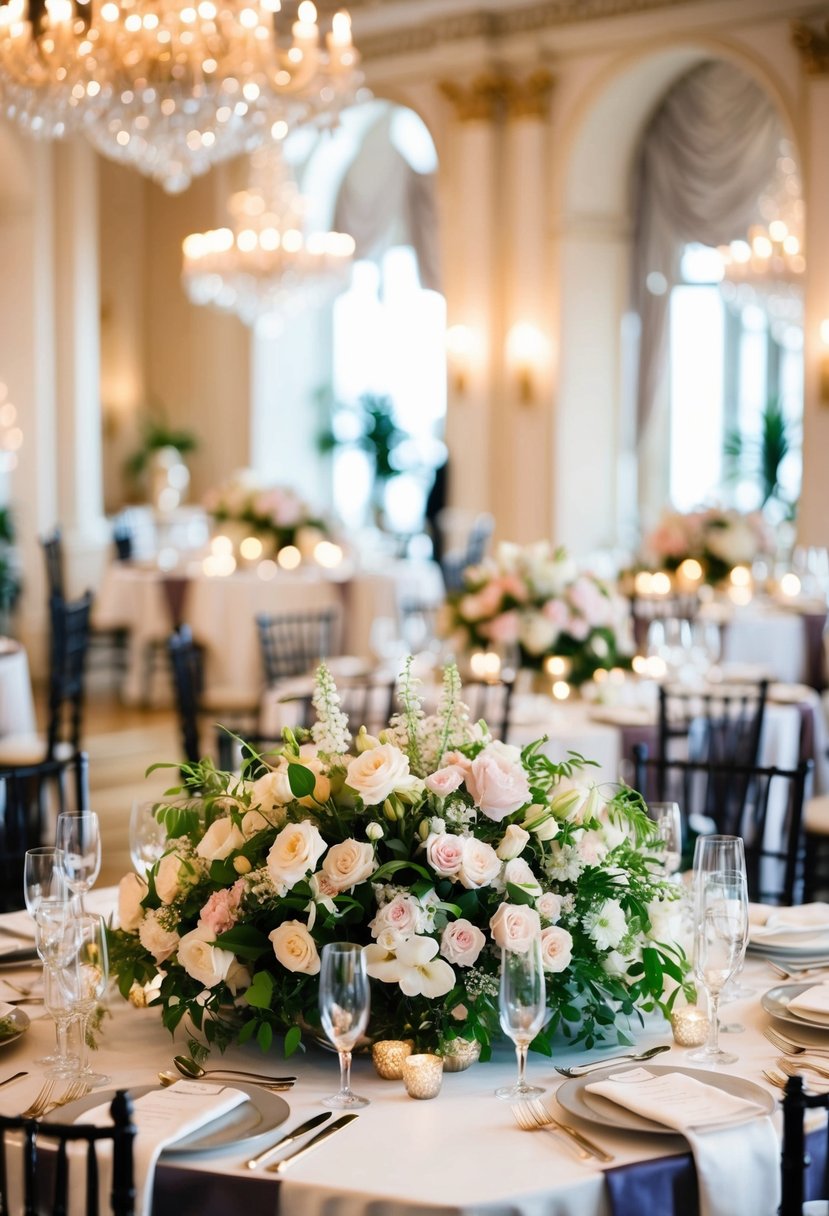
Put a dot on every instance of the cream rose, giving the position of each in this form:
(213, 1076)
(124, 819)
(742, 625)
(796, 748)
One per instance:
(514, 927)
(349, 863)
(378, 772)
(253, 822)
(202, 960)
(461, 943)
(160, 942)
(497, 783)
(220, 840)
(556, 948)
(513, 843)
(273, 790)
(294, 947)
(296, 850)
(444, 853)
(131, 890)
(549, 906)
(519, 874)
(172, 876)
(479, 865)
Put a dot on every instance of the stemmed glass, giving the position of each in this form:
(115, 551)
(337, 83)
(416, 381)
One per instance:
(719, 948)
(57, 1001)
(148, 837)
(522, 1005)
(79, 837)
(344, 999)
(712, 853)
(668, 820)
(43, 876)
(55, 940)
(85, 978)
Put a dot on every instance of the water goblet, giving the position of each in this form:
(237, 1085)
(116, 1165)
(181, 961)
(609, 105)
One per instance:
(55, 943)
(85, 978)
(79, 838)
(57, 1001)
(668, 820)
(43, 876)
(148, 837)
(719, 947)
(344, 1001)
(522, 1005)
(718, 852)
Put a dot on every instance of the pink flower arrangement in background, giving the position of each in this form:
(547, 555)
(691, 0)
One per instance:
(276, 513)
(718, 538)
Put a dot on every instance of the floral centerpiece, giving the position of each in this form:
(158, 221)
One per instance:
(718, 538)
(433, 846)
(535, 598)
(276, 514)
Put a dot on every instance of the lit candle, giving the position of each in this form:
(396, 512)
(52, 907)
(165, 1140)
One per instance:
(661, 583)
(340, 35)
(422, 1076)
(690, 1026)
(485, 665)
(558, 666)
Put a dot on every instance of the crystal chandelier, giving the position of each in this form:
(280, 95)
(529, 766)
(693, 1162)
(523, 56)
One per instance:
(265, 264)
(171, 86)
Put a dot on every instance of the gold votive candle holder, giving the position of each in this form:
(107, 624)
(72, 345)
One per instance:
(690, 1026)
(422, 1075)
(389, 1055)
(459, 1053)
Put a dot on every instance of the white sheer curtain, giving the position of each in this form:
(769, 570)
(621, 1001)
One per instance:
(705, 158)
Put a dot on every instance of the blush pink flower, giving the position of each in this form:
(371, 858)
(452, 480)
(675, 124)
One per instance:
(498, 783)
(221, 912)
(445, 780)
(504, 628)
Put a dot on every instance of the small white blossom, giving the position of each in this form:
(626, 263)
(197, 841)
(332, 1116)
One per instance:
(606, 925)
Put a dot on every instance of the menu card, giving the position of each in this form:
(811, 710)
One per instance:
(675, 1100)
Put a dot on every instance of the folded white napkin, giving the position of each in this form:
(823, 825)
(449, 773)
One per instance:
(735, 1147)
(161, 1117)
(806, 918)
(813, 1000)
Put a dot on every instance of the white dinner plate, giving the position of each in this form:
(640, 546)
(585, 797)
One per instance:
(776, 1002)
(17, 1022)
(575, 1099)
(239, 1128)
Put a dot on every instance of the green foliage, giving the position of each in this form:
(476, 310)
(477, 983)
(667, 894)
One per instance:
(761, 457)
(157, 433)
(378, 435)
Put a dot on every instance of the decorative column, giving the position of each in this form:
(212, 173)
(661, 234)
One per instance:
(813, 511)
(522, 423)
(469, 178)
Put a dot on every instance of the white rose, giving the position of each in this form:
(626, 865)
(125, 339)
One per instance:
(549, 906)
(220, 840)
(461, 943)
(273, 789)
(294, 947)
(513, 843)
(160, 942)
(537, 633)
(520, 875)
(514, 927)
(479, 865)
(172, 876)
(253, 822)
(348, 864)
(556, 948)
(202, 960)
(131, 890)
(378, 772)
(296, 850)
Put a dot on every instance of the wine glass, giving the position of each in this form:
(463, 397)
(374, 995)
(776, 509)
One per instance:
(522, 1005)
(85, 978)
(718, 852)
(719, 948)
(668, 820)
(148, 837)
(55, 944)
(344, 998)
(79, 837)
(57, 1001)
(43, 876)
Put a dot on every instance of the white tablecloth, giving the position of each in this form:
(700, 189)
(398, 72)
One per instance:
(17, 709)
(458, 1155)
(769, 635)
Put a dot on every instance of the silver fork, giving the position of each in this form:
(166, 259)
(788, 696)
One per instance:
(532, 1115)
(787, 1045)
(41, 1100)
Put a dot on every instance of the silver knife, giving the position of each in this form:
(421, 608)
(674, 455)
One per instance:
(14, 1077)
(307, 1126)
(343, 1121)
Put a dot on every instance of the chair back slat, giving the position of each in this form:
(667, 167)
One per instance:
(70, 631)
(60, 1195)
(794, 1157)
(292, 644)
(188, 683)
(52, 545)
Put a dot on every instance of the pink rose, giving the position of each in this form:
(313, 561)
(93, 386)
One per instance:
(591, 848)
(221, 912)
(515, 927)
(556, 612)
(480, 864)
(400, 916)
(556, 948)
(504, 628)
(549, 906)
(498, 783)
(461, 943)
(457, 760)
(446, 780)
(444, 853)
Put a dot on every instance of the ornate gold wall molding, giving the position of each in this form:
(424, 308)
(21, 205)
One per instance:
(813, 46)
(495, 96)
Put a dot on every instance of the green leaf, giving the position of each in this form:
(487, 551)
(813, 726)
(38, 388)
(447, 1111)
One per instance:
(293, 1038)
(261, 990)
(518, 895)
(244, 940)
(653, 970)
(264, 1036)
(301, 780)
(246, 1032)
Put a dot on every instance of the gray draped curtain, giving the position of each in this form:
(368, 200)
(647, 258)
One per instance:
(705, 158)
(383, 201)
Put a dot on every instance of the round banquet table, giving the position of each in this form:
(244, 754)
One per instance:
(17, 708)
(460, 1154)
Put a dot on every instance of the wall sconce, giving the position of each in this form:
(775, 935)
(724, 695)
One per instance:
(824, 362)
(526, 351)
(461, 347)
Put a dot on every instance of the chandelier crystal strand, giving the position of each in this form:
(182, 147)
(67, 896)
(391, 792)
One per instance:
(265, 265)
(171, 86)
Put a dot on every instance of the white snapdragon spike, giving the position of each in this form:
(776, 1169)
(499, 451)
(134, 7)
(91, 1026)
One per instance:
(607, 924)
(420, 973)
(330, 731)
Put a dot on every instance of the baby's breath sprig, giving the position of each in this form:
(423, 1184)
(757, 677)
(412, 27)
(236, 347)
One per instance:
(452, 713)
(330, 731)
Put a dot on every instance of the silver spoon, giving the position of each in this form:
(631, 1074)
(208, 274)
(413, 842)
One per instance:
(188, 1067)
(172, 1078)
(579, 1070)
